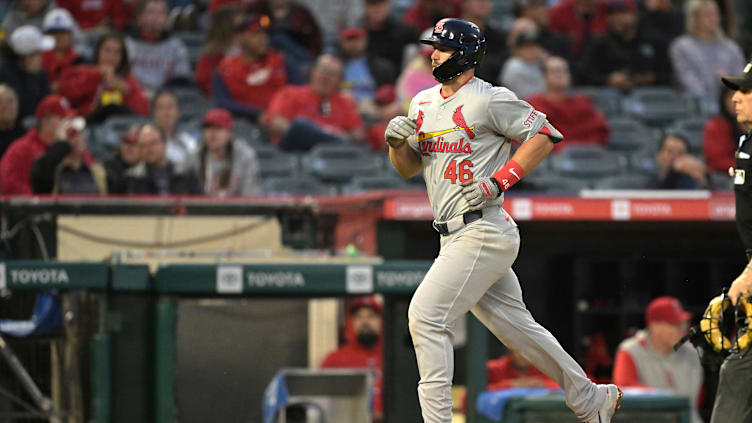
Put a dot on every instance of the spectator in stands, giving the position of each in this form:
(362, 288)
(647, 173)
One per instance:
(704, 53)
(21, 67)
(156, 175)
(166, 115)
(363, 348)
(245, 83)
(537, 12)
(226, 165)
(622, 59)
(417, 75)
(157, 58)
(514, 371)
(26, 12)
(15, 165)
(388, 107)
(66, 167)
(425, 13)
(721, 135)
(363, 74)
(102, 14)
(522, 71)
(387, 37)
(659, 21)
(293, 27)
(647, 359)
(301, 116)
(220, 41)
(127, 156)
(479, 13)
(677, 168)
(574, 114)
(579, 21)
(106, 87)
(59, 25)
(10, 127)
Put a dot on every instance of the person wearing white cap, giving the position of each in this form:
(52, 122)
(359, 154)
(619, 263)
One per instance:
(59, 24)
(21, 67)
(26, 12)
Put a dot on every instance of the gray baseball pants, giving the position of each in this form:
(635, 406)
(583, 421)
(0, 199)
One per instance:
(473, 273)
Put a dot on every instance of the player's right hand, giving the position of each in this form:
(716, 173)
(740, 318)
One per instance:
(398, 130)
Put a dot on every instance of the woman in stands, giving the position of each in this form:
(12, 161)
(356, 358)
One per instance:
(105, 87)
(219, 42)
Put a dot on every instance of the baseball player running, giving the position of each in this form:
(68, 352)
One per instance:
(458, 133)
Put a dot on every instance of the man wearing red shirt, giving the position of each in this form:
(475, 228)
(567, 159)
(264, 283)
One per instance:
(15, 166)
(365, 351)
(579, 20)
(648, 359)
(245, 83)
(95, 13)
(301, 116)
(573, 114)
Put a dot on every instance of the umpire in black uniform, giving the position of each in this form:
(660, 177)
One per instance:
(733, 402)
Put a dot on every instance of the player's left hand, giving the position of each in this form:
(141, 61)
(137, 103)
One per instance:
(479, 191)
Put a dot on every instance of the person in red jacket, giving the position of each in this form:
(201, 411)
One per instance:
(364, 347)
(15, 165)
(99, 13)
(574, 114)
(425, 13)
(219, 41)
(245, 83)
(579, 20)
(299, 117)
(105, 87)
(721, 135)
(59, 24)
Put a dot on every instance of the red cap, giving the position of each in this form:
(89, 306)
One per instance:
(370, 302)
(218, 117)
(666, 309)
(54, 105)
(354, 32)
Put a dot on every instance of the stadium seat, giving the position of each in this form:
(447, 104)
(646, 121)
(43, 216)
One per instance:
(643, 162)
(692, 129)
(194, 42)
(720, 181)
(659, 106)
(340, 163)
(588, 161)
(295, 185)
(274, 163)
(626, 181)
(606, 101)
(628, 134)
(361, 184)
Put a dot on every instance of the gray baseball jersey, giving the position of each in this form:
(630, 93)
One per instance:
(465, 136)
(459, 138)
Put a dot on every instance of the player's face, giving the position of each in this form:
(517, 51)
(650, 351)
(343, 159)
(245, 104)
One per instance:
(440, 54)
(743, 105)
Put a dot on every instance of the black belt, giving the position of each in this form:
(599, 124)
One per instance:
(468, 217)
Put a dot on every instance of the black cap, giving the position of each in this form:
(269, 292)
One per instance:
(742, 81)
